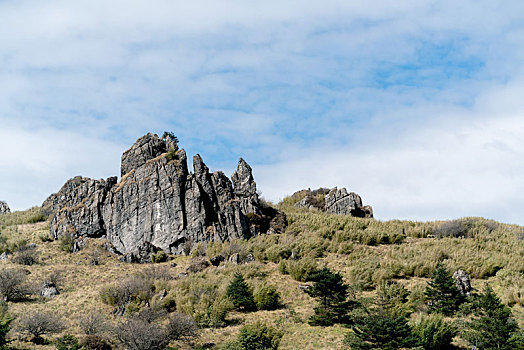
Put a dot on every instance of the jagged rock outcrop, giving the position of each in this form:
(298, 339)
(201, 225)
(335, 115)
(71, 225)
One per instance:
(334, 201)
(77, 208)
(463, 282)
(159, 204)
(4, 208)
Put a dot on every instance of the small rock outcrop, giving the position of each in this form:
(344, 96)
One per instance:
(463, 282)
(4, 208)
(160, 205)
(48, 289)
(334, 201)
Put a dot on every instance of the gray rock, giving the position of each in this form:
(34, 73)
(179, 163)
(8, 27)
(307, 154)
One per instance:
(249, 258)
(4, 256)
(462, 281)
(334, 201)
(77, 208)
(48, 289)
(159, 204)
(234, 259)
(144, 149)
(4, 208)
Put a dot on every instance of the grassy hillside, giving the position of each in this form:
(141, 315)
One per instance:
(366, 252)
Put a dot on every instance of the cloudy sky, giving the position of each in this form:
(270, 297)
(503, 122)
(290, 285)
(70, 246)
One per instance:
(416, 105)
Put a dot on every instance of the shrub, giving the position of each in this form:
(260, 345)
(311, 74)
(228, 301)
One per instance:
(171, 154)
(66, 242)
(259, 336)
(12, 285)
(301, 269)
(95, 342)
(93, 323)
(433, 333)
(138, 334)
(26, 256)
(67, 342)
(40, 323)
(181, 326)
(267, 298)
(137, 290)
(453, 228)
(159, 257)
(240, 294)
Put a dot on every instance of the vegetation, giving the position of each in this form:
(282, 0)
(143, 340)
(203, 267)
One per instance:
(331, 294)
(442, 293)
(327, 282)
(493, 326)
(240, 294)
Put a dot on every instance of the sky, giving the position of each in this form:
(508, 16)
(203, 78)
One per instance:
(418, 106)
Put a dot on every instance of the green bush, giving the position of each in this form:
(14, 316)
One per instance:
(301, 269)
(267, 298)
(159, 257)
(433, 333)
(259, 336)
(67, 342)
(66, 242)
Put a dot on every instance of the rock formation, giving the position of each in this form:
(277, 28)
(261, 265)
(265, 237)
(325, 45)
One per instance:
(159, 204)
(4, 208)
(462, 281)
(334, 201)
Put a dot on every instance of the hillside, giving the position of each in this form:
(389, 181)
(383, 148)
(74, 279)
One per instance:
(364, 251)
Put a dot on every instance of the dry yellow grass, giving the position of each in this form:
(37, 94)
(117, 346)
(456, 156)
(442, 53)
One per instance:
(333, 241)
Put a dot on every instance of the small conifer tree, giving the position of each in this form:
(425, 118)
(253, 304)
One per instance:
(240, 294)
(441, 293)
(332, 294)
(5, 324)
(493, 326)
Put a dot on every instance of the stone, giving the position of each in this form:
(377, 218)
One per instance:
(159, 205)
(162, 294)
(335, 201)
(463, 282)
(4, 208)
(303, 287)
(234, 259)
(197, 264)
(4, 256)
(48, 289)
(249, 258)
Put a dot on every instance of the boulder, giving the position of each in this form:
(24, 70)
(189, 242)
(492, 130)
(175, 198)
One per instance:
(4, 256)
(48, 289)
(4, 208)
(463, 282)
(216, 260)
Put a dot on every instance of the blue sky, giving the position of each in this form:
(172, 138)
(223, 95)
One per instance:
(415, 105)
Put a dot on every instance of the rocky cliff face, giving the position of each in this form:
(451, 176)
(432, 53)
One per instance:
(4, 208)
(335, 201)
(159, 204)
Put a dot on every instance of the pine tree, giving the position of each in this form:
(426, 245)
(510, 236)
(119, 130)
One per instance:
(380, 330)
(442, 294)
(493, 325)
(332, 293)
(385, 323)
(5, 324)
(240, 294)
